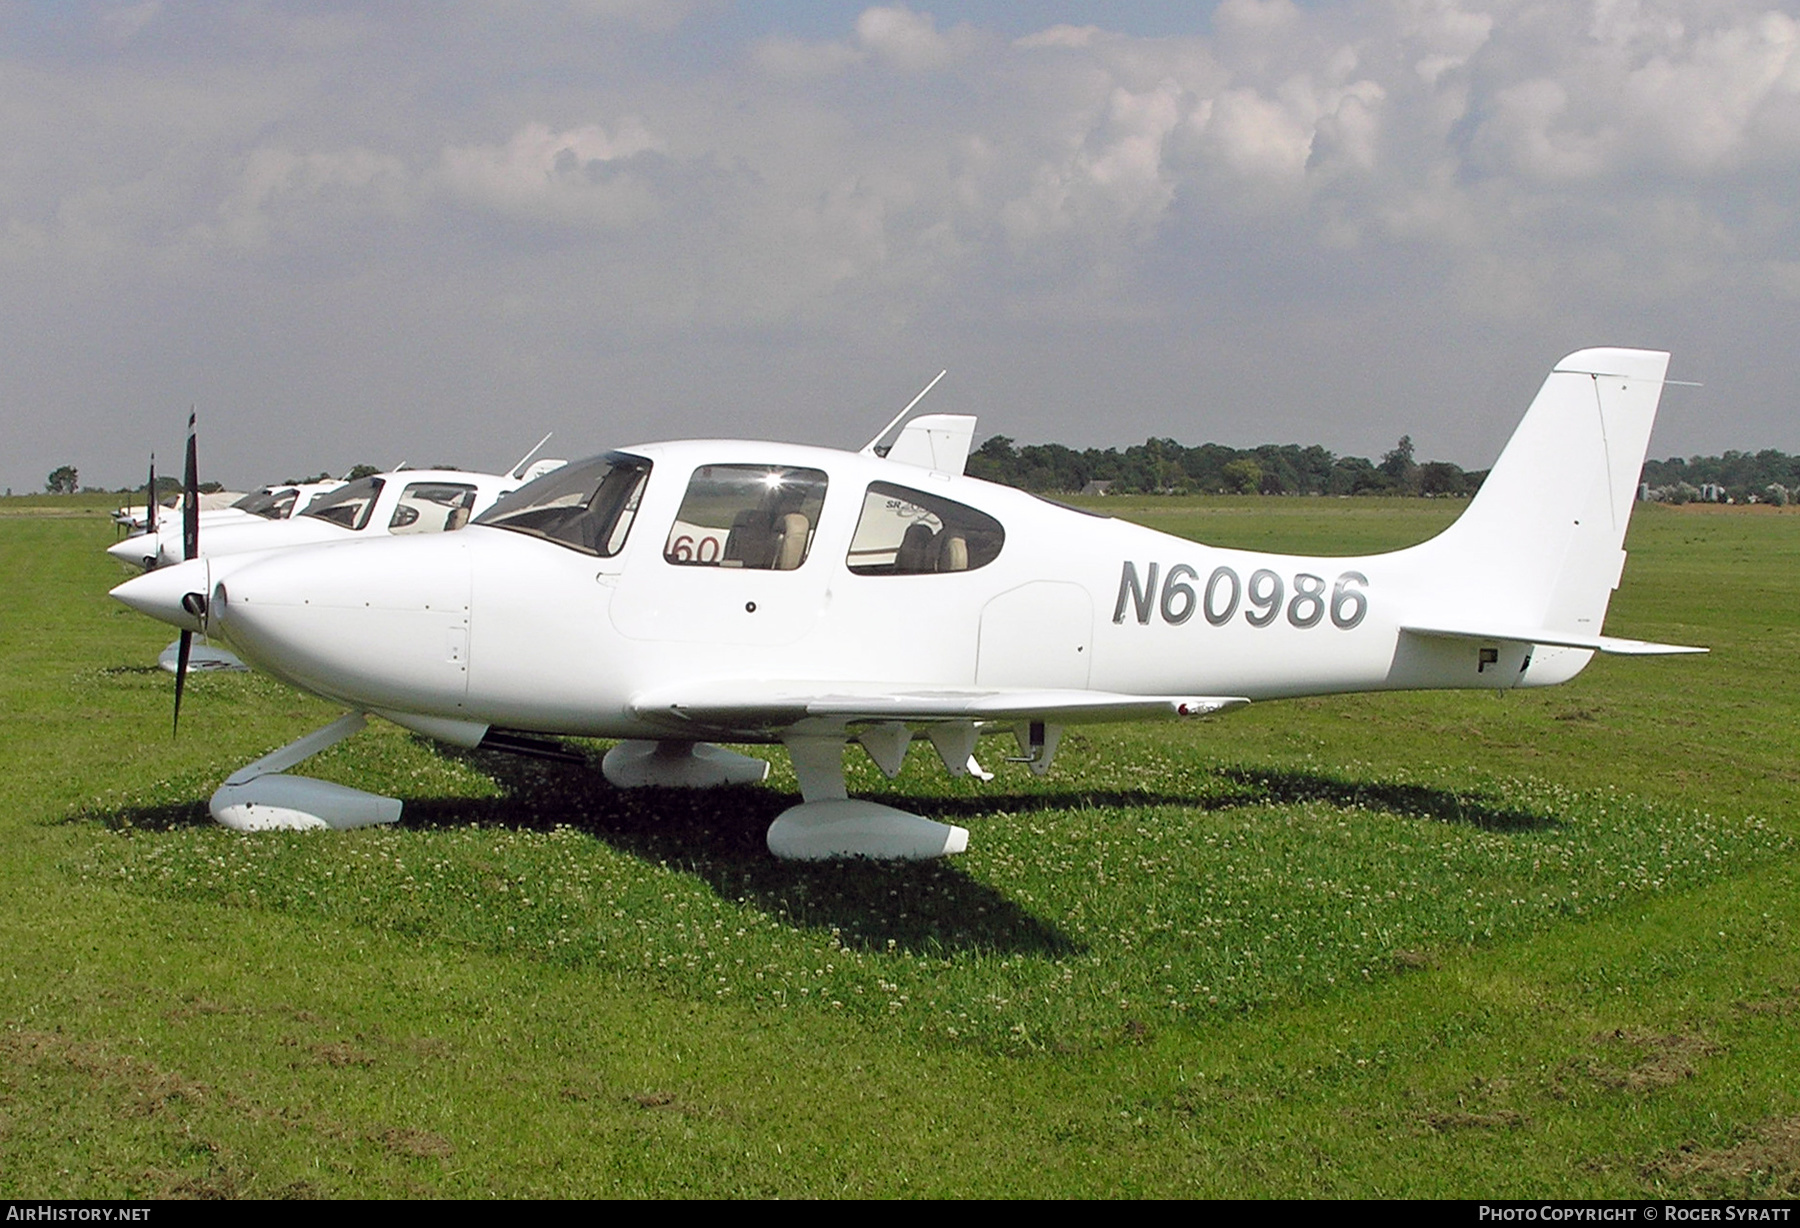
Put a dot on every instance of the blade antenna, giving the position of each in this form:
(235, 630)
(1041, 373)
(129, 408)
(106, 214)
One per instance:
(518, 470)
(869, 448)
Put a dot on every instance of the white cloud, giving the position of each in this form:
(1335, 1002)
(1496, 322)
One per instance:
(573, 175)
(1255, 136)
(1070, 37)
(584, 180)
(1699, 107)
(1255, 19)
(1440, 37)
(794, 57)
(910, 41)
(276, 180)
(896, 38)
(1112, 184)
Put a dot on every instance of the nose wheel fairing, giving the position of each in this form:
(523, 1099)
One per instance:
(260, 797)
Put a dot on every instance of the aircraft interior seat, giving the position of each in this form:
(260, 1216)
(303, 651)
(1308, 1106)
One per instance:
(953, 552)
(915, 554)
(751, 542)
(790, 549)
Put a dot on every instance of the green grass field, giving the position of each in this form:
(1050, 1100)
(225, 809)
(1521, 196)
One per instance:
(1538, 944)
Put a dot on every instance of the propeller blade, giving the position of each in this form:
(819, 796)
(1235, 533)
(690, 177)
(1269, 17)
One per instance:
(150, 500)
(181, 669)
(190, 502)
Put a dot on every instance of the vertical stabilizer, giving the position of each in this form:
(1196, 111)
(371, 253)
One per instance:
(935, 441)
(1542, 544)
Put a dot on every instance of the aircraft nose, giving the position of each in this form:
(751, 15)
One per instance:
(138, 551)
(174, 595)
(383, 623)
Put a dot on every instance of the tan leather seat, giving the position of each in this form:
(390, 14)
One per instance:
(790, 550)
(953, 552)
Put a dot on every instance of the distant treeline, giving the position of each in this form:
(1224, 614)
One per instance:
(1768, 475)
(1162, 466)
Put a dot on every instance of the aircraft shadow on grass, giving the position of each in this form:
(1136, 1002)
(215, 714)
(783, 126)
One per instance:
(919, 907)
(1254, 787)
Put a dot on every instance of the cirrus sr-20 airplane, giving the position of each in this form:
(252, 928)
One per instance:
(679, 595)
(398, 503)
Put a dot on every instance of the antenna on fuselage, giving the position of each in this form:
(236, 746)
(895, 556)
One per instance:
(869, 448)
(518, 470)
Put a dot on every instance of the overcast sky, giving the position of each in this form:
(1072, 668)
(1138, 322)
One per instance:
(433, 231)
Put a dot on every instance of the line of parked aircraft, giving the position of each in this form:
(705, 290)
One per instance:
(675, 596)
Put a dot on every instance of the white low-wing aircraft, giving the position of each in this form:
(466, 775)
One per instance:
(402, 502)
(406, 501)
(224, 505)
(155, 541)
(676, 595)
(399, 503)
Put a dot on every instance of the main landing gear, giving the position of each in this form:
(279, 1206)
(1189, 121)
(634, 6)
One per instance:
(827, 823)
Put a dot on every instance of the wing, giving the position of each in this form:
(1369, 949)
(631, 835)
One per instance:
(1556, 639)
(739, 706)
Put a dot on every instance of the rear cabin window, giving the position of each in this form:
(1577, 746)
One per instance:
(757, 517)
(905, 532)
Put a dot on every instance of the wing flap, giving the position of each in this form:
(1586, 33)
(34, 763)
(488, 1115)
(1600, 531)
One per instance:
(1557, 639)
(766, 706)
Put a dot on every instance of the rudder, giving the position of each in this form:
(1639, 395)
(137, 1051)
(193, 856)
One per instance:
(1541, 545)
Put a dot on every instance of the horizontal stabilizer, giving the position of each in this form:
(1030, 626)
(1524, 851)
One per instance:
(738, 704)
(1556, 639)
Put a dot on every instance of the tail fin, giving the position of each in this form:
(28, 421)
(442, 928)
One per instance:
(1540, 549)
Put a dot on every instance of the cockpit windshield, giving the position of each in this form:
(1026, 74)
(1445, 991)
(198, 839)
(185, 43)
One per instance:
(348, 505)
(273, 503)
(587, 506)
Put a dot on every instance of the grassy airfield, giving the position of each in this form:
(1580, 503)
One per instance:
(1407, 945)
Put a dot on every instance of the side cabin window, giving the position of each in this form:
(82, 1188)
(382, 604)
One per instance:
(758, 517)
(432, 507)
(349, 505)
(906, 532)
(588, 506)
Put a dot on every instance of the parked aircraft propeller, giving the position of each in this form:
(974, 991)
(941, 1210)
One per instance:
(194, 603)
